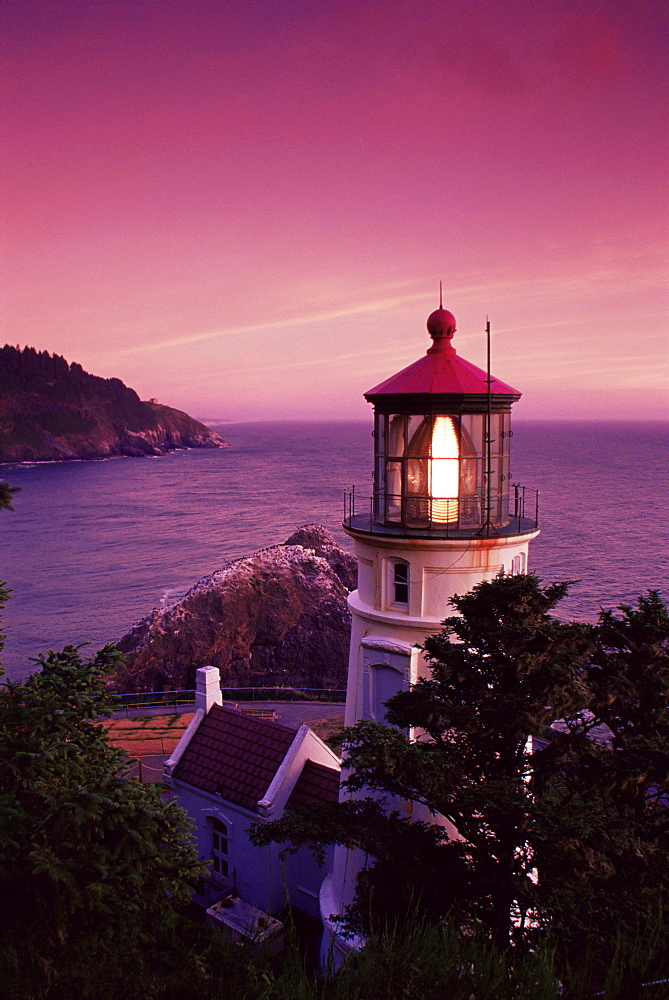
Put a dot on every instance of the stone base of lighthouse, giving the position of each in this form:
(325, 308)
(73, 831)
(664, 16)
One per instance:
(405, 585)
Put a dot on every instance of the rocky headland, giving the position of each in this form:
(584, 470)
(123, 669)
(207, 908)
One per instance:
(277, 617)
(51, 410)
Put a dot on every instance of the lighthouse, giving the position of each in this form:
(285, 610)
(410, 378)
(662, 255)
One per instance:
(442, 517)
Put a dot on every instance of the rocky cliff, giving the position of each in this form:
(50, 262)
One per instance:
(277, 617)
(51, 410)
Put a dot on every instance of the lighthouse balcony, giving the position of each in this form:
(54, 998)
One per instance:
(514, 512)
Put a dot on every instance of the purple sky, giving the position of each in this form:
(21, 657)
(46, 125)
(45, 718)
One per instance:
(245, 208)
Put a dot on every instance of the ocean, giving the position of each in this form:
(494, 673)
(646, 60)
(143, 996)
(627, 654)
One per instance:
(92, 547)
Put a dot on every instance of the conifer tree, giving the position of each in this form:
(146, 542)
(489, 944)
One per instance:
(92, 863)
(602, 843)
(549, 839)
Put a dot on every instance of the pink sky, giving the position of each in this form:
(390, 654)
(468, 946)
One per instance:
(245, 207)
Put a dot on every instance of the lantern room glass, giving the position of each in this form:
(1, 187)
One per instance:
(431, 470)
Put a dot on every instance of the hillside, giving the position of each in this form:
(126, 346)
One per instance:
(51, 410)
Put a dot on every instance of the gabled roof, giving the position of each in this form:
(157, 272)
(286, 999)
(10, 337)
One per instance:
(235, 756)
(316, 783)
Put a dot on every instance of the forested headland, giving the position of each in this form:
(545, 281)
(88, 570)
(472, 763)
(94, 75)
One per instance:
(53, 410)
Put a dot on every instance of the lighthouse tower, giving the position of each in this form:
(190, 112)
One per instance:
(443, 517)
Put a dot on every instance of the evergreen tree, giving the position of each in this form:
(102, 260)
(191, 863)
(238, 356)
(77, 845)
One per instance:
(6, 492)
(93, 864)
(591, 818)
(602, 846)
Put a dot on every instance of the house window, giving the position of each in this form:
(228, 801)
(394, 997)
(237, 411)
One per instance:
(219, 848)
(400, 583)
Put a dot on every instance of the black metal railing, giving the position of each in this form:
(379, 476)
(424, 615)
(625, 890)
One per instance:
(513, 512)
(160, 699)
(153, 699)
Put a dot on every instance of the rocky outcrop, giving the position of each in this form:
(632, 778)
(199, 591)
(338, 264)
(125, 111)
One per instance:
(51, 410)
(277, 617)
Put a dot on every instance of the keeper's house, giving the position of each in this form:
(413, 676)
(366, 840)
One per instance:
(229, 770)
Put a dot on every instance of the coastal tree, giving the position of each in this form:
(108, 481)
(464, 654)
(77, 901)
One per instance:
(6, 493)
(503, 670)
(93, 865)
(602, 843)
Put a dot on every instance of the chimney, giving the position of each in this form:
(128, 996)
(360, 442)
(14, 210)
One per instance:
(207, 688)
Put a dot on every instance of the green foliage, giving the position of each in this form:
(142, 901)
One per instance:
(19, 368)
(53, 379)
(425, 960)
(629, 676)
(603, 844)
(21, 428)
(6, 492)
(591, 816)
(64, 422)
(93, 864)
(52, 410)
(4, 597)
(47, 397)
(422, 960)
(501, 670)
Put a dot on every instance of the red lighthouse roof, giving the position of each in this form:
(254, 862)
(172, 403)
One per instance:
(440, 371)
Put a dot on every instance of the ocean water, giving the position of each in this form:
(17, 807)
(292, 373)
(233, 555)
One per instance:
(91, 547)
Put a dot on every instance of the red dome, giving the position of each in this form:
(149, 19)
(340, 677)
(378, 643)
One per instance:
(441, 323)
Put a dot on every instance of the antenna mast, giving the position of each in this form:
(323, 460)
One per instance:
(487, 523)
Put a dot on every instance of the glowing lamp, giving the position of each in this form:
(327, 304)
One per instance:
(441, 442)
(444, 485)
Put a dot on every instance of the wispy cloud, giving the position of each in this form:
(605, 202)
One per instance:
(358, 309)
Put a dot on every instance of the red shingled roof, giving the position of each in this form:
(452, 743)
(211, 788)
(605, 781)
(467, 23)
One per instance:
(234, 755)
(316, 783)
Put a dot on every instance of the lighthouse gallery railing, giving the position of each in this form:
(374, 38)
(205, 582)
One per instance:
(513, 512)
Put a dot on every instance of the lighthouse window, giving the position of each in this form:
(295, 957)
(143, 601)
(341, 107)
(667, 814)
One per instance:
(401, 583)
(518, 564)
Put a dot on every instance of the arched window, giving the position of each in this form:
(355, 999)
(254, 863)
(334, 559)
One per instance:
(518, 564)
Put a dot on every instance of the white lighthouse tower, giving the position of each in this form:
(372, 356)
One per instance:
(443, 517)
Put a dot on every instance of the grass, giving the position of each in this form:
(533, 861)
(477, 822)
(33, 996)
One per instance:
(147, 736)
(157, 735)
(326, 727)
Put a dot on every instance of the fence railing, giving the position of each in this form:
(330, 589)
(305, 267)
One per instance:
(157, 699)
(150, 699)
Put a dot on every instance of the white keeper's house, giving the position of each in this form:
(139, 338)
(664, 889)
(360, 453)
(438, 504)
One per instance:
(231, 769)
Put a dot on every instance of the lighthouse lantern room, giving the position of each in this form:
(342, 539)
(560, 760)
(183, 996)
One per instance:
(442, 435)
